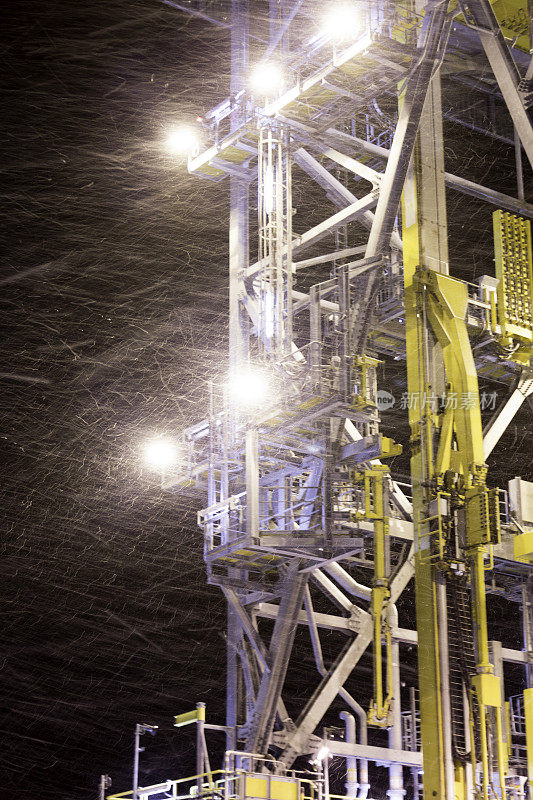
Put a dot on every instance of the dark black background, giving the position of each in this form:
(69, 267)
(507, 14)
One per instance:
(114, 311)
(114, 314)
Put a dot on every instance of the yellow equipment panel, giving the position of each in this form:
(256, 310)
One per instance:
(488, 690)
(255, 787)
(512, 243)
(270, 788)
(523, 546)
(283, 789)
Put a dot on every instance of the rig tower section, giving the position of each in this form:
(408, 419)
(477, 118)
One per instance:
(305, 523)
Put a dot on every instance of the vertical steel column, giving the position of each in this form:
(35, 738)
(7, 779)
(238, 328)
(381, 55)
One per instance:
(406, 130)
(527, 628)
(200, 740)
(275, 241)
(136, 751)
(252, 484)
(239, 199)
(238, 340)
(425, 244)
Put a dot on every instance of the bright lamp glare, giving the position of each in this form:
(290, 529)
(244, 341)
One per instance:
(323, 753)
(266, 79)
(182, 141)
(160, 453)
(248, 388)
(342, 23)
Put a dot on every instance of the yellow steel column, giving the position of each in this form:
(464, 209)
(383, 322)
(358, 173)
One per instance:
(450, 497)
(425, 244)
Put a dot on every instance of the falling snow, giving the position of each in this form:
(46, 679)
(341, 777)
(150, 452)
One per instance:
(114, 297)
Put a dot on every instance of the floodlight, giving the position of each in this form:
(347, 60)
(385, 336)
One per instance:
(266, 78)
(160, 453)
(146, 728)
(182, 141)
(248, 388)
(343, 22)
(323, 753)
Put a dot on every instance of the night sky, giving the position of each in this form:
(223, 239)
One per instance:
(114, 308)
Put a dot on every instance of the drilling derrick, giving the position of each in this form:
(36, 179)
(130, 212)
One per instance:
(305, 522)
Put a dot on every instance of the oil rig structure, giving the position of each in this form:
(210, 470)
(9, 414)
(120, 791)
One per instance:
(305, 522)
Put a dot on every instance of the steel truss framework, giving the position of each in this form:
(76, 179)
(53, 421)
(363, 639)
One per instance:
(301, 504)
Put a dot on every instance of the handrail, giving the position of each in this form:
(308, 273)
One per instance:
(227, 776)
(172, 785)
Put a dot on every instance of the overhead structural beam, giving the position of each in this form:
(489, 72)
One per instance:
(336, 190)
(350, 164)
(504, 69)
(380, 755)
(513, 204)
(331, 622)
(338, 254)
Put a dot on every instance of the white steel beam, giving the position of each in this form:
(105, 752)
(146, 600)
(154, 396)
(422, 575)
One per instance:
(379, 755)
(505, 415)
(346, 253)
(357, 167)
(329, 225)
(269, 693)
(456, 182)
(329, 622)
(323, 177)
(339, 219)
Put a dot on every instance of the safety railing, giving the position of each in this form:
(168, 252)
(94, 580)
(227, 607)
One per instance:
(517, 715)
(204, 785)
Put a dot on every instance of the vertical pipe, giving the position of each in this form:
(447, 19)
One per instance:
(351, 761)
(414, 743)
(528, 716)
(135, 793)
(519, 166)
(480, 608)
(396, 790)
(442, 626)
(326, 777)
(200, 741)
(252, 484)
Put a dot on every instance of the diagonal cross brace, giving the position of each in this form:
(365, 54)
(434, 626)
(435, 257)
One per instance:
(339, 674)
(504, 69)
(262, 723)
